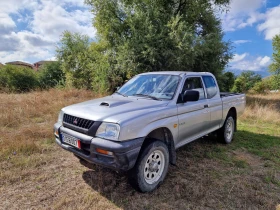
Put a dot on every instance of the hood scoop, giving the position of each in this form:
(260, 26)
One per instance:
(113, 103)
(104, 104)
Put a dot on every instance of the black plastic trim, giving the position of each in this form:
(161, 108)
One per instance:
(91, 131)
(75, 128)
(124, 156)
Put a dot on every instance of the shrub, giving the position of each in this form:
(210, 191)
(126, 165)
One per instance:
(17, 79)
(275, 81)
(246, 81)
(260, 87)
(51, 75)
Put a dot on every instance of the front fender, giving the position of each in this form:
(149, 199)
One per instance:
(138, 128)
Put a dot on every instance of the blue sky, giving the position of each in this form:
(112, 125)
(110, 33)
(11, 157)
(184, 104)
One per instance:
(30, 29)
(251, 25)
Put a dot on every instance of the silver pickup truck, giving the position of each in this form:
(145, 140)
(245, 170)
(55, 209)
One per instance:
(139, 127)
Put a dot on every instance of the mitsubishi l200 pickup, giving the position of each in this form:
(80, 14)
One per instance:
(139, 127)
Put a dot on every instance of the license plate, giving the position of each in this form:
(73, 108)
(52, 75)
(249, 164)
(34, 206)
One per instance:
(68, 139)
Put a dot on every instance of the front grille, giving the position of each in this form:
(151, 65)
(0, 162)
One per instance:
(78, 122)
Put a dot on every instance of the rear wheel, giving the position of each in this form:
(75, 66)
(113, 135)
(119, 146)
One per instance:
(227, 131)
(151, 167)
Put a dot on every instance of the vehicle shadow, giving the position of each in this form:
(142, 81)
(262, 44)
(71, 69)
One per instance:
(198, 181)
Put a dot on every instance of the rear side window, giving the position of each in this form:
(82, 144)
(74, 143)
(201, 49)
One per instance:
(211, 86)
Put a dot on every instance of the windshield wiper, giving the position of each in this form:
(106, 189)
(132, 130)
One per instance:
(148, 96)
(121, 94)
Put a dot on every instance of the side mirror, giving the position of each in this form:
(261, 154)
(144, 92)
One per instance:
(190, 95)
(117, 88)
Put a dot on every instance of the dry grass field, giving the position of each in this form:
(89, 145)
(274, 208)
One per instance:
(36, 174)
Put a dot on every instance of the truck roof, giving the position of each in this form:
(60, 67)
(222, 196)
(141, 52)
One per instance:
(180, 73)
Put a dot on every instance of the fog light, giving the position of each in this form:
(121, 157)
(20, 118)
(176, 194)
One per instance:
(104, 152)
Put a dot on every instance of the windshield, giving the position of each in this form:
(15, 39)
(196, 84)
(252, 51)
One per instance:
(160, 86)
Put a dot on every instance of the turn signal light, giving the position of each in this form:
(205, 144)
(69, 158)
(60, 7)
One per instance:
(104, 152)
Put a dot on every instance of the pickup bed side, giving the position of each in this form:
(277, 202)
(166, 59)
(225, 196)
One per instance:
(235, 102)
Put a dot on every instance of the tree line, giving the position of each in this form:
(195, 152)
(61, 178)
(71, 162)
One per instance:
(22, 79)
(136, 36)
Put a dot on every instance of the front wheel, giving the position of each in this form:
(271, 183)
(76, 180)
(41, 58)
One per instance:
(227, 131)
(151, 167)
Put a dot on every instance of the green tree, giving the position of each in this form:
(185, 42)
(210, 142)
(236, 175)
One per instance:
(246, 81)
(17, 79)
(73, 53)
(227, 81)
(104, 78)
(51, 75)
(160, 35)
(275, 66)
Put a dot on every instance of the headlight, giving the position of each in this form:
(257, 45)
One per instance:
(60, 117)
(108, 131)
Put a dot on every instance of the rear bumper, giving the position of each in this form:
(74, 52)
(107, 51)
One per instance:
(124, 153)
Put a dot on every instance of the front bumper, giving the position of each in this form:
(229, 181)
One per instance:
(124, 153)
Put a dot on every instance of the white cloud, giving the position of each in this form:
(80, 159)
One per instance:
(242, 14)
(253, 18)
(28, 46)
(79, 3)
(53, 19)
(247, 6)
(9, 43)
(24, 55)
(238, 57)
(242, 41)
(13, 6)
(45, 21)
(246, 62)
(52, 59)
(265, 61)
(271, 26)
(7, 24)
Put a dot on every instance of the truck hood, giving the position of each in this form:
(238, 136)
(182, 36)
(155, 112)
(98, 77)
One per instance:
(114, 108)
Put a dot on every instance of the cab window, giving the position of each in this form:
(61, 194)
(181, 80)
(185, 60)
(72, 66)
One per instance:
(194, 83)
(211, 86)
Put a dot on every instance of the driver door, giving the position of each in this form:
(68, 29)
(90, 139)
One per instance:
(193, 116)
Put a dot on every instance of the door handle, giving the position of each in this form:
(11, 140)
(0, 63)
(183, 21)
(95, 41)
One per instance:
(206, 106)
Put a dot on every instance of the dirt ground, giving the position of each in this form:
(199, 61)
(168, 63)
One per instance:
(59, 181)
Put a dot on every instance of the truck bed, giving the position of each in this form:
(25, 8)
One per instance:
(236, 100)
(226, 94)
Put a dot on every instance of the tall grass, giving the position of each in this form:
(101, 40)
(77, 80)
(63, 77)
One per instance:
(27, 119)
(264, 108)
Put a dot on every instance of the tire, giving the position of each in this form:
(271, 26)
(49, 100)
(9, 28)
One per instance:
(150, 168)
(225, 134)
